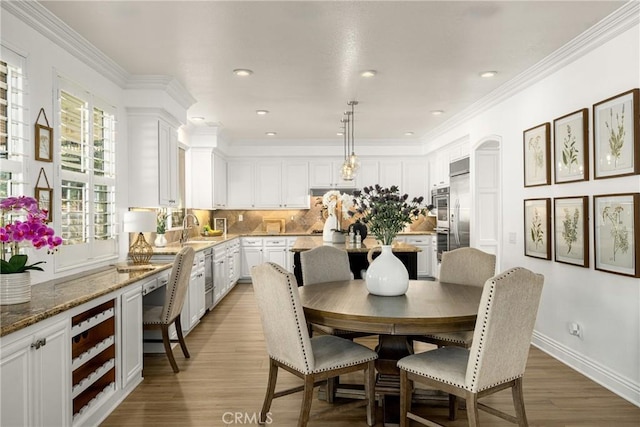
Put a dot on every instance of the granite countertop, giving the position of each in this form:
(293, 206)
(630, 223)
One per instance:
(56, 296)
(306, 243)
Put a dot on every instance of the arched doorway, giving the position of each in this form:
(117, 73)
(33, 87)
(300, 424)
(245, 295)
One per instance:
(486, 185)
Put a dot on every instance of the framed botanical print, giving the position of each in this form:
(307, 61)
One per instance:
(537, 228)
(616, 135)
(44, 139)
(537, 152)
(571, 230)
(616, 233)
(570, 147)
(44, 196)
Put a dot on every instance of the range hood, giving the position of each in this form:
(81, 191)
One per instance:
(320, 191)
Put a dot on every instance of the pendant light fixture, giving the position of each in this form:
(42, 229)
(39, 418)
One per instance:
(346, 171)
(351, 162)
(354, 162)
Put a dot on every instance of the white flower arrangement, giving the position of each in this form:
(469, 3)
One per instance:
(330, 200)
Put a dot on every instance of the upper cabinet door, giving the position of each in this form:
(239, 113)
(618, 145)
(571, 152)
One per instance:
(295, 185)
(153, 150)
(321, 174)
(201, 183)
(415, 179)
(390, 173)
(240, 182)
(268, 185)
(219, 181)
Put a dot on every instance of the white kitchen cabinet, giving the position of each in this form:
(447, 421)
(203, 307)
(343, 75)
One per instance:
(390, 173)
(415, 179)
(425, 256)
(235, 261)
(220, 272)
(131, 336)
(368, 174)
(295, 185)
(197, 306)
(289, 262)
(240, 182)
(275, 250)
(324, 173)
(435, 266)
(219, 181)
(201, 188)
(153, 150)
(268, 185)
(35, 372)
(251, 254)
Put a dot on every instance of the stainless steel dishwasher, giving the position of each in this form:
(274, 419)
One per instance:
(208, 278)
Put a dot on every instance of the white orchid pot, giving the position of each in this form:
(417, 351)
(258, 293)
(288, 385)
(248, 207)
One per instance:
(15, 288)
(330, 225)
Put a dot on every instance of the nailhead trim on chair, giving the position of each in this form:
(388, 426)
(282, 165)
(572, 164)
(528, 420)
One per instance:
(175, 275)
(289, 287)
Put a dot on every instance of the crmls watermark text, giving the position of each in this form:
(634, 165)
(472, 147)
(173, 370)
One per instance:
(244, 418)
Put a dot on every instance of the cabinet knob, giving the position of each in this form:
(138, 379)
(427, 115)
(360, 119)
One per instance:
(40, 343)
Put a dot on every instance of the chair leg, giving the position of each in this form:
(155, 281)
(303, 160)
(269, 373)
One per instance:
(472, 408)
(183, 344)
(167, 348)
(453, 407)
(370, 390)
(518, 403)
(271, 388)
(332, 386)
(405, 398)
(307, 397)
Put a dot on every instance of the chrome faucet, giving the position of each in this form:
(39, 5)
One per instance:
(185, 230)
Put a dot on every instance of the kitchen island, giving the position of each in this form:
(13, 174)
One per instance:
(407, 253)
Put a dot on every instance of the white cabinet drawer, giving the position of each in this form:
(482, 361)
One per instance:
(271, 241)
(251, 242)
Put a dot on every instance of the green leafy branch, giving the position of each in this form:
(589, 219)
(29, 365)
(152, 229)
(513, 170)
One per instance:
(570, 228)
(537, 234)
(538, 157)
(619, 231)
(569, 150)
(616, 135)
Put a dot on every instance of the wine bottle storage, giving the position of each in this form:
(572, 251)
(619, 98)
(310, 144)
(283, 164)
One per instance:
(93, 353)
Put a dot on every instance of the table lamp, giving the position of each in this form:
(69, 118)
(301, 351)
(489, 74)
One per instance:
(138, 222)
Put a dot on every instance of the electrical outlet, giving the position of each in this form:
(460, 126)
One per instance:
(512, 237)
(575, 329)
(240, 218)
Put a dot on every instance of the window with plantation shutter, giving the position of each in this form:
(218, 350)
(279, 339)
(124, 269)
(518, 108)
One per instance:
(14, 133)
(88, 176)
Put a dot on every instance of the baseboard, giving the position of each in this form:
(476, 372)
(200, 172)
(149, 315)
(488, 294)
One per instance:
(613, 381)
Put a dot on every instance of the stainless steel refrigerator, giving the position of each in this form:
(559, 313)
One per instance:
(459, 204)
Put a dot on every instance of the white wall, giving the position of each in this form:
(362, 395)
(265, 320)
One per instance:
(607, 306)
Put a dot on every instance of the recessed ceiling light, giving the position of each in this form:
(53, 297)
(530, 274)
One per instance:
(488, 74)
(243, 72)
(408, 133)
(197, 119)
(262, 112)
(340, 133)
(270, 133)
(437, 112)
(368, 73)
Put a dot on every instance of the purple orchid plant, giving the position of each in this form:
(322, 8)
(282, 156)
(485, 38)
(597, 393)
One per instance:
(32, 230)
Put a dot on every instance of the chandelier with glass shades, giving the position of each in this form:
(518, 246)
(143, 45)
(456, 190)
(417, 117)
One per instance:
(351, 162)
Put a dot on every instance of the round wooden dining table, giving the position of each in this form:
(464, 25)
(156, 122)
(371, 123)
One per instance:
(427, 307)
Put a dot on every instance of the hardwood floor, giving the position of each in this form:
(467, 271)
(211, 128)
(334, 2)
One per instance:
(223, 384)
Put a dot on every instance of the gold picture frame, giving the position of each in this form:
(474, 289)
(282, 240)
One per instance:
(44, 140)
(537, 155)
(44, 196)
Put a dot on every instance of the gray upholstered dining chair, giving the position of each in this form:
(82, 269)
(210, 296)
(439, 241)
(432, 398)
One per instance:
(497, 357)
(463, 266)
(162, 317)
(291, 348)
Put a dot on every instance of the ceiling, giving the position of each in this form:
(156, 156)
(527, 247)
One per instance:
(307, 56)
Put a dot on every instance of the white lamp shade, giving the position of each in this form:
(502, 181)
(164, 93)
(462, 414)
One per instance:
(139, 221)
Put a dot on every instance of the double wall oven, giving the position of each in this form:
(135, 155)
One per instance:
(440, 199)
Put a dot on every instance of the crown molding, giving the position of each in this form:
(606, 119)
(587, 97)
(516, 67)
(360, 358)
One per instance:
(167, 84)
(619, 21)
(46, 23)
(53, 28)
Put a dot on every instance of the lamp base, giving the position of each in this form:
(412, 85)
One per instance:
(140, 251)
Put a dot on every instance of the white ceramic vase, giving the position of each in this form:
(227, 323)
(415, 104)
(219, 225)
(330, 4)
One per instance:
(387, 276)
(330, 225)
(15, 288)
(160, 241)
